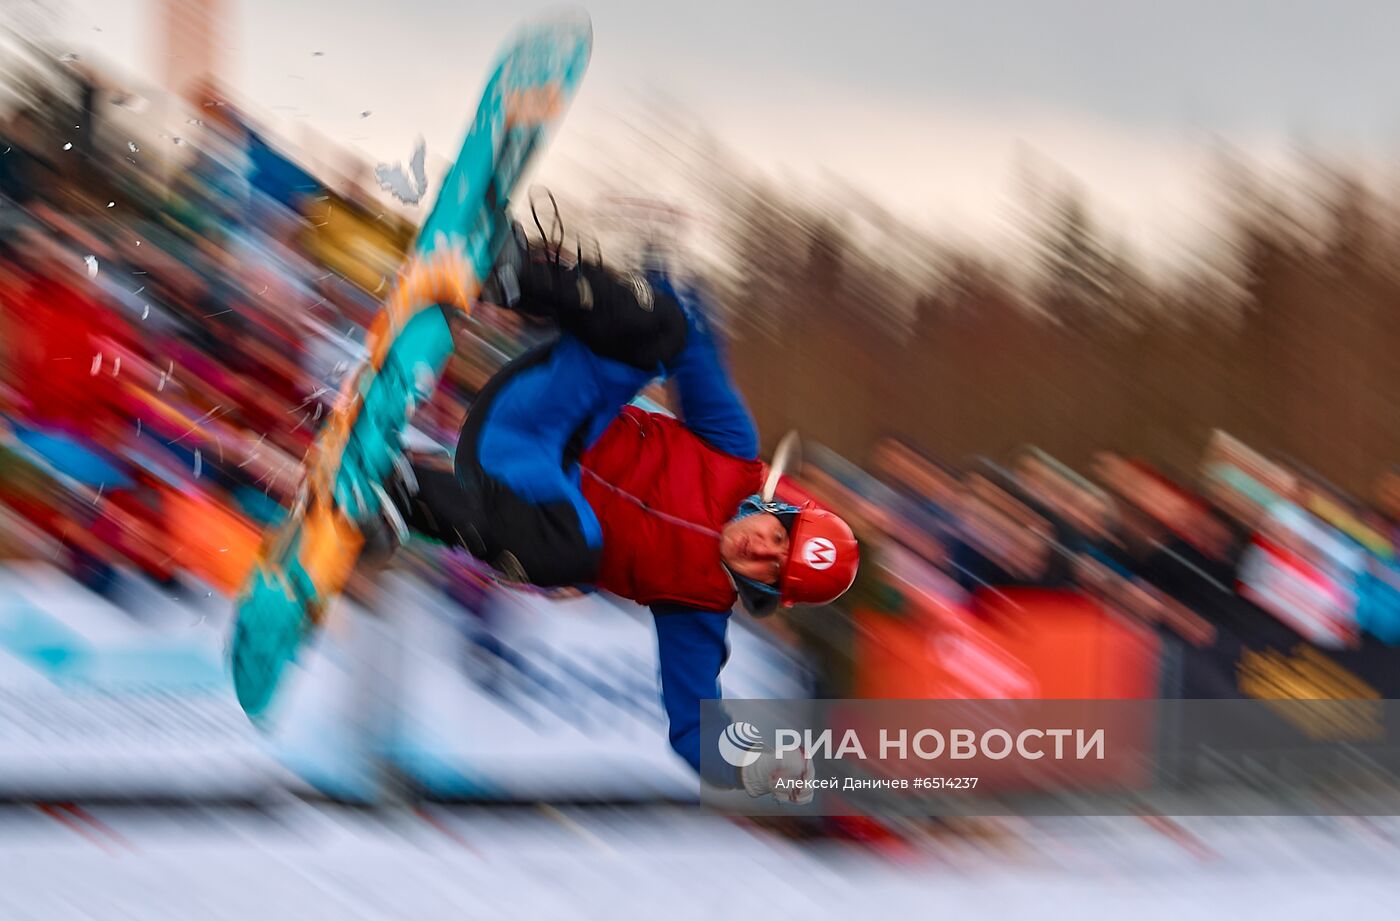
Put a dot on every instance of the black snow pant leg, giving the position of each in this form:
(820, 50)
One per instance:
(618, 316)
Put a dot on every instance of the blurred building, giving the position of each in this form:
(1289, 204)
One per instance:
(191, 36)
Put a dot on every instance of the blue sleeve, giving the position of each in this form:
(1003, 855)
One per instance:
(692, 649)
(710, 405)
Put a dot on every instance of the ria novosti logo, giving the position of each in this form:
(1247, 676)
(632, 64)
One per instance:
(741, 744)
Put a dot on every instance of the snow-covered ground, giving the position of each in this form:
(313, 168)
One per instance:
(292, 858)
(305, 861)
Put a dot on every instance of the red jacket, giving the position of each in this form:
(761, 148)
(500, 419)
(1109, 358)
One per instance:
(662, 495)
(57, 332)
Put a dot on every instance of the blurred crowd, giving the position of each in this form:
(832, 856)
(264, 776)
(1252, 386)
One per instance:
(1249, 551)
(173, 328)
(176, 316)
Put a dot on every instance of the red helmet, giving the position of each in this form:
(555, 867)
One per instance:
(822, 561)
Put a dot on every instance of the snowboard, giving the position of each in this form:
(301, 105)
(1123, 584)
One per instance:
(304, 563)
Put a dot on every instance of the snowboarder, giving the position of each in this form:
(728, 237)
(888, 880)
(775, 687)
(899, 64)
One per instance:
(559, 482)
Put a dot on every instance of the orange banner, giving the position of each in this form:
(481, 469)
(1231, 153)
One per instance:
(1009, 644)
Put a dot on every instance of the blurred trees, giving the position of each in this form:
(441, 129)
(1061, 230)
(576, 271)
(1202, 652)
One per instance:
(1285, 330)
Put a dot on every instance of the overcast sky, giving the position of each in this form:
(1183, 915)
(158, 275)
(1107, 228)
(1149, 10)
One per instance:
(921, 103)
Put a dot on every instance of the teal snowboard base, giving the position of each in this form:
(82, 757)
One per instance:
(306, 561)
